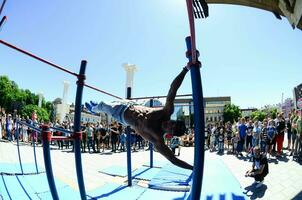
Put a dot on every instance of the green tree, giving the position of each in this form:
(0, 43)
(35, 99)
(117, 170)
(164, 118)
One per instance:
(41, 112)
(258, 115)
(12, 98)
(50, 110)
(271, 112)
(231, 113)
(9, 93)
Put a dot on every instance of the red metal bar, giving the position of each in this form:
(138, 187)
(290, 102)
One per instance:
(192, 29)
(37, 58)
(158, 97)
(102, 91)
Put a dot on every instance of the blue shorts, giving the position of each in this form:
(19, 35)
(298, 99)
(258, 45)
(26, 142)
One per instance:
(116, 111)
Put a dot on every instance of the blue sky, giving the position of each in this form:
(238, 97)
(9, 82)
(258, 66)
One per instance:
(246, 53)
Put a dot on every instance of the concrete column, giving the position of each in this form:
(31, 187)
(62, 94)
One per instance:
(64, 101)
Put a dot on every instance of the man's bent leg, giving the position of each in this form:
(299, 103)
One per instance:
(116, 111)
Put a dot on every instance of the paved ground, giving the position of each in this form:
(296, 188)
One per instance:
(283, 182)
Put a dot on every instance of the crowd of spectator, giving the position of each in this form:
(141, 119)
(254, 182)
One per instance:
(243, 135)
(268, 135)
(96, 137)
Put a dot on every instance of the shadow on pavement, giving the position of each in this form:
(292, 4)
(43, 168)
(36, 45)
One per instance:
(253, 192)
(283, 159)
(273, 160)
(244, 158)
(107, 153)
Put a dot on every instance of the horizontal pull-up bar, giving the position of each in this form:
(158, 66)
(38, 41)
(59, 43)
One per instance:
(37, 58)
(102, 91)
(158, 97)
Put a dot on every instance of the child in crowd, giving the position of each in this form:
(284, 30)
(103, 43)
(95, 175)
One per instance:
(123, 141)
(229, 135)
(221, 141)
(235, 140)
(264, 138)
(212, 142)
(271, 132)
(256, 134)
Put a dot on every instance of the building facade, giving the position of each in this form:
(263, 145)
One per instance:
(247, 112)
(85, 115)
(214, 108)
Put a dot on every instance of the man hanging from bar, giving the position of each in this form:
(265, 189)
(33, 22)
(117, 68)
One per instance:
(150, 123)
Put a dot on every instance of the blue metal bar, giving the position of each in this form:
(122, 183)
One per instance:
(129, 168)
(61, 130)
(57, 129)
(150, 143)
(30, 126)
(34, 147)
(199, 126)
(20, 162)
(34, 144)
(77, 130)
(46, 138)
(128, 132)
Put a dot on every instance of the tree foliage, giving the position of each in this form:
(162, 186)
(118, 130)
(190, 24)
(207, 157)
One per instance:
(262, 114)
(231, 113)
(258, 115)
(42, 114)
(271, 112)
(12, 98)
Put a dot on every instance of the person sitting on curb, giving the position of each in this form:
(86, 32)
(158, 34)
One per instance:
(260, 167)
(150, 123)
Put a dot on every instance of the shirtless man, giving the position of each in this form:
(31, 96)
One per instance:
(150, 123)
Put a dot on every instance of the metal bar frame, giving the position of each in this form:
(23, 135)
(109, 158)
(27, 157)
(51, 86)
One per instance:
(77, 130)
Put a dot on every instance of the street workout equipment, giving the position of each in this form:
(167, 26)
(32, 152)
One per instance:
(197, 8)
(199, 121)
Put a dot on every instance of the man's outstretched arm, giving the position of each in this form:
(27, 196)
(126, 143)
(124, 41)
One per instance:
(173, 90)
(165, 151)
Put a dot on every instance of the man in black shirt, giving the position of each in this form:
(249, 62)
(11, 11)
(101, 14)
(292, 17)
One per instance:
(260, 167)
